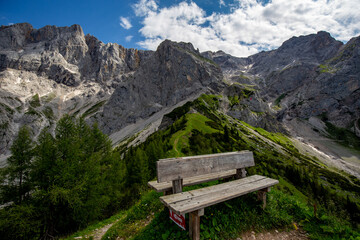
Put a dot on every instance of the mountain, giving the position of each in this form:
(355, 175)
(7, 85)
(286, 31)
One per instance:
(174, 73)
(51, 71)
(296, 108)
(310, 82)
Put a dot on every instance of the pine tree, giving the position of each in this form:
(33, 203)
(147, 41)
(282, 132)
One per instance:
(16, 174)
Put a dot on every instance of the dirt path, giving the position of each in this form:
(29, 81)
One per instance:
(175, 144)
(100, 232)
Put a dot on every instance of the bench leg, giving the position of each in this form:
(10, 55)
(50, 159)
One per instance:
(194, 224)
(262, 196)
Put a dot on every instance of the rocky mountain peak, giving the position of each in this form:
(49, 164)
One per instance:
(17, 36)
(174, 73)
(310, 49)
(320, 46)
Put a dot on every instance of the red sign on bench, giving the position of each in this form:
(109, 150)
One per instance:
(178, 219)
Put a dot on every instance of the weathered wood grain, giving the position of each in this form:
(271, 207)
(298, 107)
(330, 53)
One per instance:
(177, 185)
(177, 168)
(194, 224)
(197, 199)
(240, 173)
(209, 190)
(166, 186)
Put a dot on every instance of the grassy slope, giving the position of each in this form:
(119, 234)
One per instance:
(290, 202)
(181, 138)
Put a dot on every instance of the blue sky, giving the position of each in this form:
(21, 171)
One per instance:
(239, 27)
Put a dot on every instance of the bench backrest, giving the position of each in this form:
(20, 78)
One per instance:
(178, 168)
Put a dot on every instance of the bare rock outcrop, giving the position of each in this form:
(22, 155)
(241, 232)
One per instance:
(175, 72)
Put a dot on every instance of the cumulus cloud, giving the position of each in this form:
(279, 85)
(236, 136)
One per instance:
(144, 7)
(125, 23)
(128, 38)
(250, 26)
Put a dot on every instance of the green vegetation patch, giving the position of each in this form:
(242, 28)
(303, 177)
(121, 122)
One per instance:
(179, 111)
(326, 69)
(278, 138)
(49, 113)
(136, 217)
(32, 111)
(278, 100)
(94, 108)
(88, 232)
(234, 100)
(49, 97)
(204, 59)
(35, 101)
(180, 138)
(4, 126)
(343, 136)
(228, 220)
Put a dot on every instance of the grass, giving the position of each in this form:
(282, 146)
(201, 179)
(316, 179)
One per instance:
(343, 136)
(35, 101)
(149, 220)
(180, 139)
(32, 111)
(48, 112)
(278, 138)
(326, 69)
(94, 108)
(49, 97)
(88, 232)
(136, 217)
(203, 58)
(278, 100)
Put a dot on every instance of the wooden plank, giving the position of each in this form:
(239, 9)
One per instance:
(197, 199)
(209, 190)
(205, 201)
(175, 168)
(165, 186)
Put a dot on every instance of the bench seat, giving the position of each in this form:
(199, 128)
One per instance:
(167, 186)
(193, 200)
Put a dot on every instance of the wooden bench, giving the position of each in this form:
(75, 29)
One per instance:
(175, 173)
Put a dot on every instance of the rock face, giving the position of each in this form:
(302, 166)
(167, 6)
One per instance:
(65, 54)
(175, 72)
(47, 72)
(308, 76)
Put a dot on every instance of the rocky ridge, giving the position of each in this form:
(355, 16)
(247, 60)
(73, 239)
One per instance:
(47, 72)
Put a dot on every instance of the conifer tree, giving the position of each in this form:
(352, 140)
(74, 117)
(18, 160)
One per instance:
(16, 175)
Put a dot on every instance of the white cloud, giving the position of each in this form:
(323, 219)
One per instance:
(222, 3)
(125, 23)
(128, 38)
(144, 7)
(250, 26)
